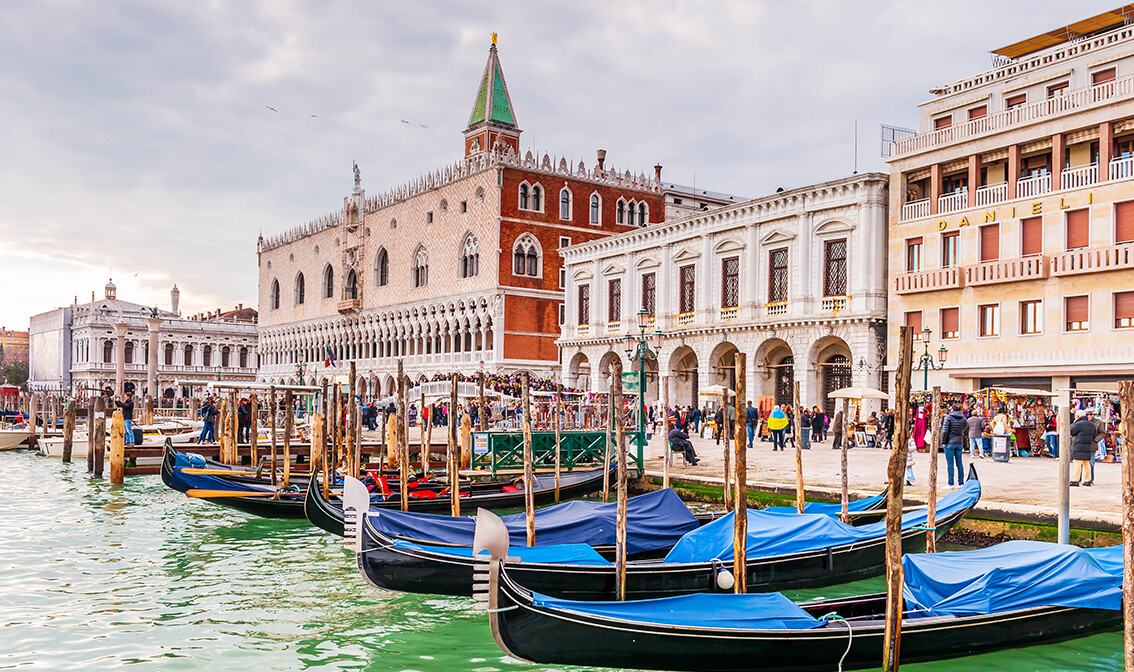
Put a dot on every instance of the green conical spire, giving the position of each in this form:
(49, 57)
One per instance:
(493, 105)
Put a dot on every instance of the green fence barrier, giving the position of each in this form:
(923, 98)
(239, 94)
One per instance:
(577, 450)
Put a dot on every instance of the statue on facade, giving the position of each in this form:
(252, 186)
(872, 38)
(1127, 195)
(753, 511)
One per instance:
(357, 177)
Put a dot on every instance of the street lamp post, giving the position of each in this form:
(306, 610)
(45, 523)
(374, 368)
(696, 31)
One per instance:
(638, 347)
(927, 362)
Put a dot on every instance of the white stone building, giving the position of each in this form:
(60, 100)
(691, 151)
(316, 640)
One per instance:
(796, 280)
(81, 347)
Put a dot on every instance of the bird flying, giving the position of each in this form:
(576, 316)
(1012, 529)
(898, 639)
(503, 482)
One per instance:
(271, 108)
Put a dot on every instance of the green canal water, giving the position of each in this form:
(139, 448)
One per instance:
(94, 577)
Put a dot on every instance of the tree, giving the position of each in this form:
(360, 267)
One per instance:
(16, 372)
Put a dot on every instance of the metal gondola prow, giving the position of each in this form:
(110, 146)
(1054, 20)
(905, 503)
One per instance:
(491, 535)
(356, 504)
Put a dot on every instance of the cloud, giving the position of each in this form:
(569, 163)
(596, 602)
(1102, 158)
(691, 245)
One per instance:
(137, 135)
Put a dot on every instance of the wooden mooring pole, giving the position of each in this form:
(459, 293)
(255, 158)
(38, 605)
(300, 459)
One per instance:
(272, 415)
(621, 493)
(403, 445)
(529, 468)
(289, 419)
(254, 430)
(896, 471)
(667, 450)
(117, 448)
(453, 458)
(68, 429)
(1063, 421)
(90, 432)
(730, 433)
(1126, 408)
(798, 415)
(740, 538)
(98, 435)
(844, 495)
(609, 432)
(934, 446)
(558, 437)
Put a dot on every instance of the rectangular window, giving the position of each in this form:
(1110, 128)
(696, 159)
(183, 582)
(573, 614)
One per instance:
(564, 204)
(1124, 222)
(429, 218)
(1124, 309)
(584, 304)
(835, 268)
(949, 249)
(913, 319)
(990, 242)
(650, 293)
(1078, 229)
(562, 278)
(1015, 101)
(562, 313)
(1031, 236)
(950, 322)
(564, 241)
(687, 289)
(1031, 317)
(1057, 89)
(943, 122)
(730, 282)
(951, 184)
(978, 112)
(614, 300)
(1076, 312)
(1102, 76)
(777, 275)
(913, 255)
(989, 320)
(464, 206)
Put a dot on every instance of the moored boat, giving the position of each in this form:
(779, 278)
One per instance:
(14, 438)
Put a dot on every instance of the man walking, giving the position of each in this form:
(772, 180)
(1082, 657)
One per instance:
(953, 429)
(777, 424)
(975, 427)
(1100, 438)
(752, 419)
(837, 430)
(1082, 447)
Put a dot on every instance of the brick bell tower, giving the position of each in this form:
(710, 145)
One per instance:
(492, 120)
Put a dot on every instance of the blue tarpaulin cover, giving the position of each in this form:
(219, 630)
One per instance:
(1013, 575)
(758, 611)
(831, 508)
(771, 534)
(653, 520)
(563, 554)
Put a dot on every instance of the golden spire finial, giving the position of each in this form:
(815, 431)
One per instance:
(493, 39)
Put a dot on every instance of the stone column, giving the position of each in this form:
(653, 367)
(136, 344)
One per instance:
(935, 185)
(974, 177)
(752, 259)
(120, 357)
(154, 325)
(803, 287)
(1058, 152)
(708, 267)
(1013, 172)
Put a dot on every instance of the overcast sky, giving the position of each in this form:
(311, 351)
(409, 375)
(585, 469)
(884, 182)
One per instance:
(136, 137)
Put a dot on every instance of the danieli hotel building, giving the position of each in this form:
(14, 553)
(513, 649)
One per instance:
(1012, 215)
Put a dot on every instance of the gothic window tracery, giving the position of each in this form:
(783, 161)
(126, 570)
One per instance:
(470, 257)
(420, 267)
(328, 282)
(382, 268)
(526, 256)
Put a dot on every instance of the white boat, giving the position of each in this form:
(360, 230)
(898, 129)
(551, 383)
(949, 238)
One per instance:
(14, 438)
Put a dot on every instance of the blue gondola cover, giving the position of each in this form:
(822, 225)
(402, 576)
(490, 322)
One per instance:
(830, 508)
(563, 554)
(1013, 575)
(758, 611)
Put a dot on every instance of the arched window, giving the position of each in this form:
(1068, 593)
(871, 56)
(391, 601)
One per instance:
(525, 197)
(107, 352)
(565, 203)
(300, 289)
(420, 267)
(207, 356)
(244, 357)
(470, 257)
(630, 213)
(328, 282)
(129, 348)
(596, 209)
(643, 219)
(382, 268)
(188, 356)
(351, 285)
(537, 198)
(526, 257)
(620, 211)
(225, 356)
(169, 354)
(274, 298)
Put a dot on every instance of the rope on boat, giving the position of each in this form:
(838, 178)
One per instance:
(850, 634)
(500, 609)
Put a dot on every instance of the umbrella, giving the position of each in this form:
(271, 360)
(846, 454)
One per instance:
(716, 391)
(858, 393)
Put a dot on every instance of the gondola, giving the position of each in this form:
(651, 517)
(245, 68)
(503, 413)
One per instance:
(957, 604)
(425, 496)
(797, 551)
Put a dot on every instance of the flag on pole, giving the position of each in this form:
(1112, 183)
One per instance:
(330, 360)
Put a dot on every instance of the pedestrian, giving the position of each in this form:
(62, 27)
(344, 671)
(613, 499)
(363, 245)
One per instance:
(718, 421)
(818, 424)
(921, 424)
(1082, 447)
(953, 430)
(975, 426)
(804, 428)
(695, 415)
(243, 421)
(751, 419)
(837, 430)
(208, 415)
(679, 441)
(126, 404)
(777, 424)
(1100, 438)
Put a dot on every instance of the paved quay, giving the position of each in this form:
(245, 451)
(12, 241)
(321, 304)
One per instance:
(1023, 489)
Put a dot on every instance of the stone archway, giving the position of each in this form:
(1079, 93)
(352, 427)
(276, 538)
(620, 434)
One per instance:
(832, 358)
(579, 372)
(609, 359)
(683, 377)
(778, 363)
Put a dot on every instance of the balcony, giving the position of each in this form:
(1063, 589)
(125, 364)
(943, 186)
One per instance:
(915, 209)
(582, 330)
(958, 200)
(1093, 260)
(1073, 178)
(683, 319)
(1122, 169)
(1028, 187)
(992, 194)
(730, 313)
(776, 308)
(1010, 270)
(614, 326)
(929, 281)
(350, 306)
(834, 304)
(1023, 115)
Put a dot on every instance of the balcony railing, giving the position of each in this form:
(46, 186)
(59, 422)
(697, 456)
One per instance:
(1008, 270)
(614, 326)
(347, 306)
(958, 200)
(915, 209)
(1093, 260)
(730, 313)
(834, 303)
(1073, 178)
(1122, 169)
(929, 281)
(992, 194)
(1072, 101)
(683, 319)
(583, 329)
(776, 308)
(1027, 187)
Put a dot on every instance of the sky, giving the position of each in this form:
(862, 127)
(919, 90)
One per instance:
(137, 140)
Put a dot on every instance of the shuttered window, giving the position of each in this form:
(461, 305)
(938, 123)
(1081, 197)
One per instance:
(943, 122)
(989, 320)
(949, 249)
(1078, 229)
(913, 319)
(978, 112)
(778, 275)
(584, 304)
(913, 255)
(1031, 317)
(1124, 309)
(649, 293)
(950, 322)
(614, 300)
(1124, 222)
(730, 282)
(1076, 311)
(1015, 101)
(990, 242)
(1031, 236)
(687, 287)
(1102, 76)
(835, 268)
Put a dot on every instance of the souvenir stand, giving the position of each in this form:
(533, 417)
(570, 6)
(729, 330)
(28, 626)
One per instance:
(1024, 410)
(1105, 405)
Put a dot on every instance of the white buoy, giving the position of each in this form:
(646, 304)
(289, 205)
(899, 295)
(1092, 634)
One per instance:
(725, 580)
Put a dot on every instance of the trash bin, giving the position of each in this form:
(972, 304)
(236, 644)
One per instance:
(137, 437)
(1001, 447)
